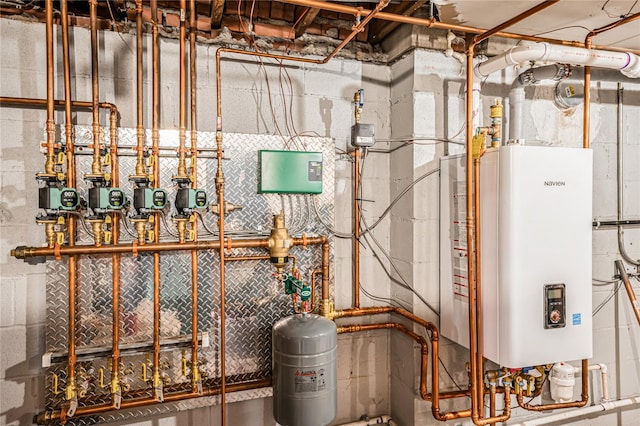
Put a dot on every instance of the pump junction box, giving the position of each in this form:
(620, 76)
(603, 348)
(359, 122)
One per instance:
(289, 172)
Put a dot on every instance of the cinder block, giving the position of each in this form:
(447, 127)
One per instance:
(7, 301)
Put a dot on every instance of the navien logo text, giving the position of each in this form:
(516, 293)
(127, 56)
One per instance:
(554, 183)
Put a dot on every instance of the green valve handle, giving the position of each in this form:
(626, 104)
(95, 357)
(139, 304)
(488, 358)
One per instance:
(296, 286)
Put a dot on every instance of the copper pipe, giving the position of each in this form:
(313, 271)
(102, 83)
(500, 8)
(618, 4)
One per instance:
(155, 142)
(473, 231)
(359, 27)
(478, 259)
(25, 252)
(627, 285)
(527, 13)
(356, 228)
(115, 265)
(53, 416)
(587, 75)
(57, 103)
(182, 129)
(96, 165)
(246, 258)
(71, 181)
(51, 124)
(140, 165)
(470, 223)
(584, 397)
(432, 23)
(435, 396)
(195, 374)
(492, 401)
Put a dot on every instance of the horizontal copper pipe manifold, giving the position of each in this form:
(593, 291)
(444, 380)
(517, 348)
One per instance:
(48, 417)
(24, 252)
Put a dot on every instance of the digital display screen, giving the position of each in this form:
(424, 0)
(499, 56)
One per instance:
(554, 293)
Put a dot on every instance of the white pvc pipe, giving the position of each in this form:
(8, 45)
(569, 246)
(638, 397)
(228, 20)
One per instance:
(603, 406)
(371, 422)
(603, 370)
(627, 63)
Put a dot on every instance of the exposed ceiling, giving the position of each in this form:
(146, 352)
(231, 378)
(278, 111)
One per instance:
(566, 20)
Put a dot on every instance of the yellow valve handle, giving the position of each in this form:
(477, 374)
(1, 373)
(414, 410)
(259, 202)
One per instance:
(192, 218)
(191, 235)
(60, 176)
(150, 161)
(54, 384)
(150, 235)
(60, 158)
(183, 362)
(101, 378)
(107, 236)
(150, 177)
(107, 176)
(107, 219)
(60, 238)
(152, 218)
(60, 220)
(107, 160)
(144, 372)
(478, 146)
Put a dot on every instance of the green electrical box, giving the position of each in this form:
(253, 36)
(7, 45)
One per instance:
(289, 172)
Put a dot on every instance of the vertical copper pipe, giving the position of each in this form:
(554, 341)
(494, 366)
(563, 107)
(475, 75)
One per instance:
(356, 228)
(140, 166)
(50, 125)
(478, 259)
(194, 173)
(115, 264)
(586, 119)
(473, 230)
(220, 190)
(71, 181)
(96, 165)
(182, 130)
(155, 143)
(470, 218)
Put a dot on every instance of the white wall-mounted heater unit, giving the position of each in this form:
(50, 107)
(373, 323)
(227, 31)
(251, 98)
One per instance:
(536, 254)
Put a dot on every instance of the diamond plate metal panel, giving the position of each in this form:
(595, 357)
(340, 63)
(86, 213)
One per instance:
(254, 299)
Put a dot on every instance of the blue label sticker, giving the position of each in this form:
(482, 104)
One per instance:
(577, 319)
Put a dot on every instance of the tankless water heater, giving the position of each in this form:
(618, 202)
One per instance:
(536, 254)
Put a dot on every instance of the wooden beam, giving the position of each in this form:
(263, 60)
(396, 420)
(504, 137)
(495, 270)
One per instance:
(379, 29)
(304, 18)
(217, 7)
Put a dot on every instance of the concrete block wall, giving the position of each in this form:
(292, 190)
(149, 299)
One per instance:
(316, 107)
(419, 96)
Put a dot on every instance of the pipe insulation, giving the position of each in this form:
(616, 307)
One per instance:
(627, 63)
(562, 417)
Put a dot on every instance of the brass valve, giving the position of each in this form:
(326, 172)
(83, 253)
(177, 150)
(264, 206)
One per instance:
(50, 232)
(279, 243)
(181, 225)
(327, 310)
(141, 229)
(96, 228)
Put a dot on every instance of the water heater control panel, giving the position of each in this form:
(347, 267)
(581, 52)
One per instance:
(554, 306)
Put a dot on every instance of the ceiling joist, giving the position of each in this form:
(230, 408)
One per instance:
(379, 29)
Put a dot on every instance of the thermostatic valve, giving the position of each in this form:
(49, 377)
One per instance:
(279, 243)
